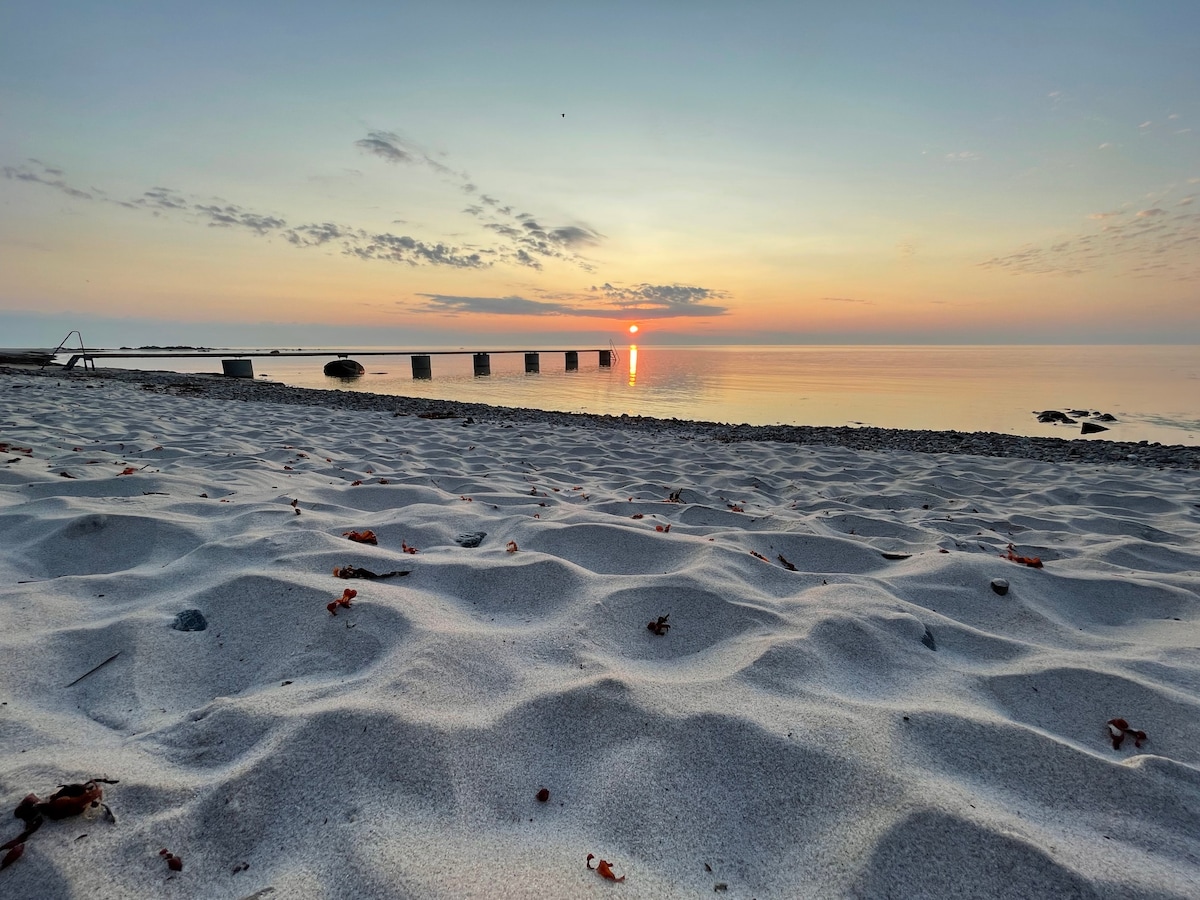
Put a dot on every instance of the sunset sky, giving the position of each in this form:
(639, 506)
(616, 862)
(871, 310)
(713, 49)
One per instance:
(395, 173)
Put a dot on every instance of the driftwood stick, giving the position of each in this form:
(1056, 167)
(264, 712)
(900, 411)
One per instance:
(94, 669)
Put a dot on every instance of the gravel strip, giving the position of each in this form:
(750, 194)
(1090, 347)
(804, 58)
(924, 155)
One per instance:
(974, 443)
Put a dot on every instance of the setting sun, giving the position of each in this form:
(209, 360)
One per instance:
(633, 329)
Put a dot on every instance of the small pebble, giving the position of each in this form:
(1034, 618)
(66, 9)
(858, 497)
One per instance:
(1000, 586)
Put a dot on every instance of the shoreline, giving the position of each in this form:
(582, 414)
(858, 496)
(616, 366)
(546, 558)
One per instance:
(988, 444)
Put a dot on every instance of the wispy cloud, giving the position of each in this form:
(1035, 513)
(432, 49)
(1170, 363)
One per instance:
(847, 300)
(529, 241)
(1134, 242)
(524, 243)
(644, 301)
(48, 176)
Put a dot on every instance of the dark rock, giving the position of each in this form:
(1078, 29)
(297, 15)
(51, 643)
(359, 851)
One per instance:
(344, 368)
(1077, 412)
(1105, 417)
(895, 554)
(1000, 586)
(1054, 415)
(927, 639)
(190, 620)
(470, 538)
(1091, 428)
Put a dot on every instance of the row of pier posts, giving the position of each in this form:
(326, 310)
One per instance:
(481, 363)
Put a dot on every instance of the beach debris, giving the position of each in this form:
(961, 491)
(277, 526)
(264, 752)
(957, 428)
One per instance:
(665, 529)
(1034, 562)
(927, 639)
(543, 795)
(758, 555)
(1119, 728)
(189, 620)
(676, 496)
(470, 538)
(638, 516)
(735, 508)
(787, 565)
(174, 863)
(603, 868)
(361, 537)
(95, 668)
(356, 572)
(1000, 586)
(296, 506)
(511, 547)
(69, 800)
(355, 483)
(347, 595)
(660, 626)
(895, 554)
(67, 475)
(407, 548)
(128, 470)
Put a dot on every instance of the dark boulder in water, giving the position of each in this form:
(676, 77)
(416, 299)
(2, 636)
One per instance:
(1054, 416)
(344, 368)
(1091, 428)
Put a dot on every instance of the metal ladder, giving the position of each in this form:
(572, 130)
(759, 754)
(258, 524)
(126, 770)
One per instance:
(88, 362)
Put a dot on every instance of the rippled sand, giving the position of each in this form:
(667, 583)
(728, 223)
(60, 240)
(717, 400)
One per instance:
(864, 725)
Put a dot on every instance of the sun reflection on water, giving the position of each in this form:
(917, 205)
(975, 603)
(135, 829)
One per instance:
(632, 365)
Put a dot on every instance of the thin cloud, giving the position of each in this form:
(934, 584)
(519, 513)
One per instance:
(48, 176)
(386, 145)
(847, 300)
(353, 242)
(500, 306)
(643, 301)
(1138, 243)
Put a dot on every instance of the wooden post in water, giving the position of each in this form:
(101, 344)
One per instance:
(533, 364)
(605, 359)
(572, 360)
(422, 368)
(483, 364)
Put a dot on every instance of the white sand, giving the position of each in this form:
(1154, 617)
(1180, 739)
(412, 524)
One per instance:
(791, 732)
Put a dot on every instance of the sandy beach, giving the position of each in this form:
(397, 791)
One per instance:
(749, 669)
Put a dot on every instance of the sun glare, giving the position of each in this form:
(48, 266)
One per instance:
(633, 329)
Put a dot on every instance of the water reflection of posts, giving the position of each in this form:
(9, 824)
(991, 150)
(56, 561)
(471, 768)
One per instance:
(632, 365)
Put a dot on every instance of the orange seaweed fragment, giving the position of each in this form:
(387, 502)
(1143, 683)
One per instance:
(603, 868)
(406, 548)
(663, 528)
(511, 547)
(347, 595)
(1119, 728)
(1034, 562)
(361, 537)
(128, 470)
(758, 555)
(355, 483)
(661, 626)
(787, 565)
(637, 515)
(736, 508)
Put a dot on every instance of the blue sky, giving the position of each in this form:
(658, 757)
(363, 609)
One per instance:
(714, 171)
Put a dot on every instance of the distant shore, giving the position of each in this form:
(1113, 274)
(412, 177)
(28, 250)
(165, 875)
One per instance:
(1042, 449)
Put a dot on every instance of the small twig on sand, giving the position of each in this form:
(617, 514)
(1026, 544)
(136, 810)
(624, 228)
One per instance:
(93, 669)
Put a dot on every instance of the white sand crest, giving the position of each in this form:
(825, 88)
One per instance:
(842, 706)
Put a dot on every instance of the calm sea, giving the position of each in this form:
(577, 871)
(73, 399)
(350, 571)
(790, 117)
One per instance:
(1154, 391)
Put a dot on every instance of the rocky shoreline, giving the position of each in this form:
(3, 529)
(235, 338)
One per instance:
(1047, 449)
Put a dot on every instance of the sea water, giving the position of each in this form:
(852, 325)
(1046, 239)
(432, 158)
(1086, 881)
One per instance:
(1153, 391)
